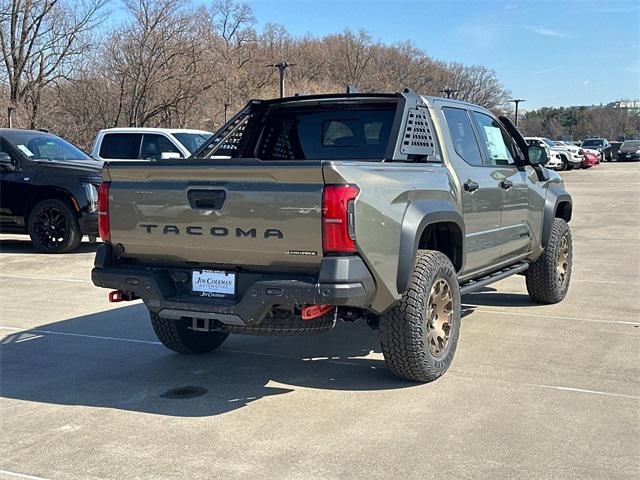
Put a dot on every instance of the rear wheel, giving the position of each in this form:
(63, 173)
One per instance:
(178, 336)
(420, 333)
(53, 227)
(548, 277)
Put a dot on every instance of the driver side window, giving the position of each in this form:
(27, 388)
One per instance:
(154, 145)
(499, 147)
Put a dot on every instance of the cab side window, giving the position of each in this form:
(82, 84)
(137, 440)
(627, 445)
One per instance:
(499, 147)
(462, 135)
(124, 146)
(154, 145)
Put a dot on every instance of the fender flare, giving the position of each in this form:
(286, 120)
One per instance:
(417, 217)
(555, 196)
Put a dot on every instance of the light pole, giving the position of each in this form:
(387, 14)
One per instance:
(517, 102)
(226, 106)
(449, 92)
(282, 66)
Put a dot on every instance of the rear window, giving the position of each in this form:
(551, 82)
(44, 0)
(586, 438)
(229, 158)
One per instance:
(327, 134)
(592, 143)
(121, 146)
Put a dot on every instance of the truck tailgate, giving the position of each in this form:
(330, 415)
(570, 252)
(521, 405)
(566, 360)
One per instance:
(256, 214)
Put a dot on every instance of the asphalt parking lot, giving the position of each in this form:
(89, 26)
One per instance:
(86, 391)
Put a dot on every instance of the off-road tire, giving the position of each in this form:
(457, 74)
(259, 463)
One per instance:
(542, 280)
(283, 323)
(404, 328)
(177, 335)
(72, 236)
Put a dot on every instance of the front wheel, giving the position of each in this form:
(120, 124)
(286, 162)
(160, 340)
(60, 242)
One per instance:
(178, 336)
(53, 227)
(420, 333)
(549, 276)
(565, 164)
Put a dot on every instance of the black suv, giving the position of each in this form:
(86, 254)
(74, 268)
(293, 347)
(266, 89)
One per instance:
(48, 189)
(602, 145)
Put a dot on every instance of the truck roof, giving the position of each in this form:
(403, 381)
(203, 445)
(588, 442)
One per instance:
(152, 130)
(352, 96)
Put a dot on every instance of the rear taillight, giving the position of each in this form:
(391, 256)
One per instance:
(338, 218)
(103, 211)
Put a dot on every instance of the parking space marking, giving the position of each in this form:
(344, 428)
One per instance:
(551, 317)
(582, 390)
(542, 385)
(330, 360)
(47, 279)
(81, 335)
(21, 475)
(579, 280)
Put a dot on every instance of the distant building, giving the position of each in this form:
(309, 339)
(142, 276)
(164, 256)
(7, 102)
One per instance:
(632, 105)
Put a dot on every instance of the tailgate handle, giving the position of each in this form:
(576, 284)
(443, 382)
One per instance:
(209, 199)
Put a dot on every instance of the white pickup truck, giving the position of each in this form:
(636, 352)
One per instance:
(132, 143)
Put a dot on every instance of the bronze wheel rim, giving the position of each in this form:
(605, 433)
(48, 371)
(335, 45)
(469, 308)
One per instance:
(439, 316)
(562, 267)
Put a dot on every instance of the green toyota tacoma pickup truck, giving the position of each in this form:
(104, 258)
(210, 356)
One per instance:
(307, 210)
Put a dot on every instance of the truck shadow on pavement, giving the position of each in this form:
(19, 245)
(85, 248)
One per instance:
(112, 359)
(491, 297)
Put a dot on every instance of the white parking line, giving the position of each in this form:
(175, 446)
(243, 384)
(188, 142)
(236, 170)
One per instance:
(47, 279)
(580, 280)
(81, 335)
(581, 390)
(21, 475)
(352, 364)
(515, 313)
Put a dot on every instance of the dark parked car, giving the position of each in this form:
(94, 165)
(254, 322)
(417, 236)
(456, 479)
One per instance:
(629, 150)
(600, 144)
(48, 190)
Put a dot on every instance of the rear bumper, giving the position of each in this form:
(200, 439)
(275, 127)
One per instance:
(342, 281)
(632, 156)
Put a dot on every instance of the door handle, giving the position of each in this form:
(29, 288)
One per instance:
(506, 184)
(471, 186)
(207, 199)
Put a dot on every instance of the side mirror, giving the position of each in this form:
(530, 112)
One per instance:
(537, 155)
(170, 156)
(5, 162)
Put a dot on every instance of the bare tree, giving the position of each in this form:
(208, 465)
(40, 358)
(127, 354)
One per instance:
(39, 41)
(351, 54)
(474, 83)
(155, 60)
(173, 64)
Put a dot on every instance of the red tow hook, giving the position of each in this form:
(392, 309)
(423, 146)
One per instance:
(314, 311)
(116, 296)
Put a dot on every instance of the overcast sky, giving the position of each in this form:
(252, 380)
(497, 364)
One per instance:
(551, 53)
